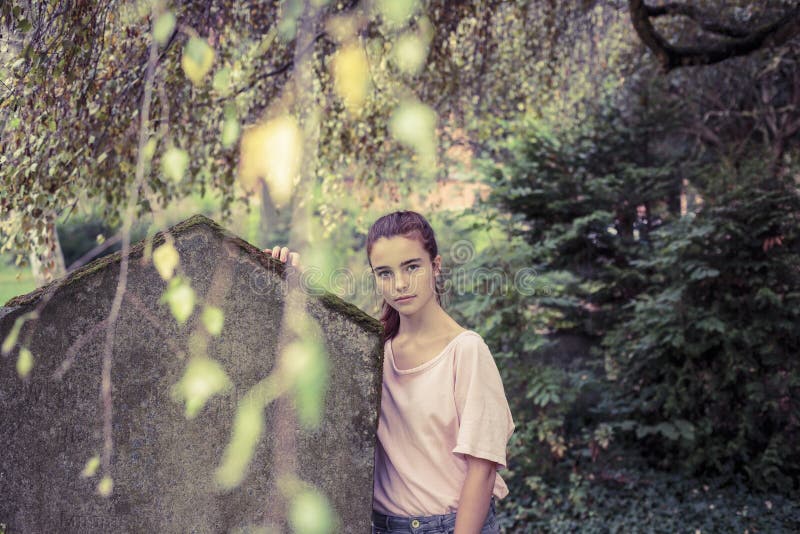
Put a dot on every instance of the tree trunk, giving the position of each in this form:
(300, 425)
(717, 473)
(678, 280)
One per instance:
(48, 264)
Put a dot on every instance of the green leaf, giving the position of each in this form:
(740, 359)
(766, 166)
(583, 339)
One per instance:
(24, 362)
(222, 81)
(202, 379)
(311, 513)
(11, 338)
(197, 60)
(163, 27)
(213, 319)
(174, 163)
(396, 12)
(248, 426)
(305, 364)
(180, 297)
(230, 131)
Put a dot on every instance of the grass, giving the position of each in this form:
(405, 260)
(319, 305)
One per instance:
(14, 280)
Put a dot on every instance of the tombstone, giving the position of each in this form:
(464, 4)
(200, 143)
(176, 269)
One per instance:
(163, 464)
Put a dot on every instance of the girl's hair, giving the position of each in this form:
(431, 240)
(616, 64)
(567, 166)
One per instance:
(412, 225)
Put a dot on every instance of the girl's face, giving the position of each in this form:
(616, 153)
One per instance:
(403, 268)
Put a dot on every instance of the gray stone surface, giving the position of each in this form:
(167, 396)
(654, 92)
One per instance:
(163, 464)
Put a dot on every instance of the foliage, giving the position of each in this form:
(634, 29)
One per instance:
(636, 499)
(72, 88)
(708, 357)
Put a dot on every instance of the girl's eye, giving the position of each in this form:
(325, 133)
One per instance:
(386, 274)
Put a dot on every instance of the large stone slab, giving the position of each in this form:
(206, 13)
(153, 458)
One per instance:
(163, 463)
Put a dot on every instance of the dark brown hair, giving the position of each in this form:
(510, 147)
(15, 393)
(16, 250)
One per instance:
(411, 225)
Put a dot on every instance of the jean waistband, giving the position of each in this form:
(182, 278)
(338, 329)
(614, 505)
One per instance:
(393, 522)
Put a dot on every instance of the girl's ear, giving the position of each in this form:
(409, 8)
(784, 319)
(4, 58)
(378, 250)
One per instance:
(437, 264)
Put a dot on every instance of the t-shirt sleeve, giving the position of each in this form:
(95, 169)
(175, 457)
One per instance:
(484, 418)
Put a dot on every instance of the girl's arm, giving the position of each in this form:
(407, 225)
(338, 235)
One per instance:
(476, 493)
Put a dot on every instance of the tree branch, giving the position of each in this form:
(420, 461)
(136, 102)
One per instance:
(701, 18)
(671, 57)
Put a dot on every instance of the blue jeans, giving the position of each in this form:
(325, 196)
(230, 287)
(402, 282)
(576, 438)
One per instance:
(430, 524)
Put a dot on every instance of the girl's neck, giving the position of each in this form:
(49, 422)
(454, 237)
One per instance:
(426, 322)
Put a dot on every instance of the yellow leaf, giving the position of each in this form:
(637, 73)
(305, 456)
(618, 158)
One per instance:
(351, 76)
(166, 259)
(105, 486)
(91, 466)
(271, 150)
(24, 362)
(198, 57)
(149, 149)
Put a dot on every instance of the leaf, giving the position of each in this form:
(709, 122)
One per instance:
(174, 163)
(248, 426)
(413, 124)
(230, 131)
(91, 467)
(272, 150)
(213, 319)
(163, 27)
(305, 365)
(166, 259)
(410, 53)
(396, 12)
(11, 338)
(202, 379)
(197, 60)
(351, 78)
(311, 513)
(24, 362)
(222, 81)
(149, 149)
(105, 486)
(180, 297)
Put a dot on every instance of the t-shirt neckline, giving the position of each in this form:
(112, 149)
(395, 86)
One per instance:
(427, 364)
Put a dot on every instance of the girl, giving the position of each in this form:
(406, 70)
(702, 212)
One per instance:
(444, 421)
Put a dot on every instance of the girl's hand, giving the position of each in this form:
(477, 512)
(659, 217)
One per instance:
(283, 254)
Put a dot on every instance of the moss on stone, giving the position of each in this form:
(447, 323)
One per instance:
(337, 305)
(136, 251)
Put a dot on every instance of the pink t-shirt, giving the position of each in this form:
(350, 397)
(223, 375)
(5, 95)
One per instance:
(431, 416)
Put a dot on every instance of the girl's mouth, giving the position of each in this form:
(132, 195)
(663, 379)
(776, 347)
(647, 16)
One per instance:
(405, 299)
